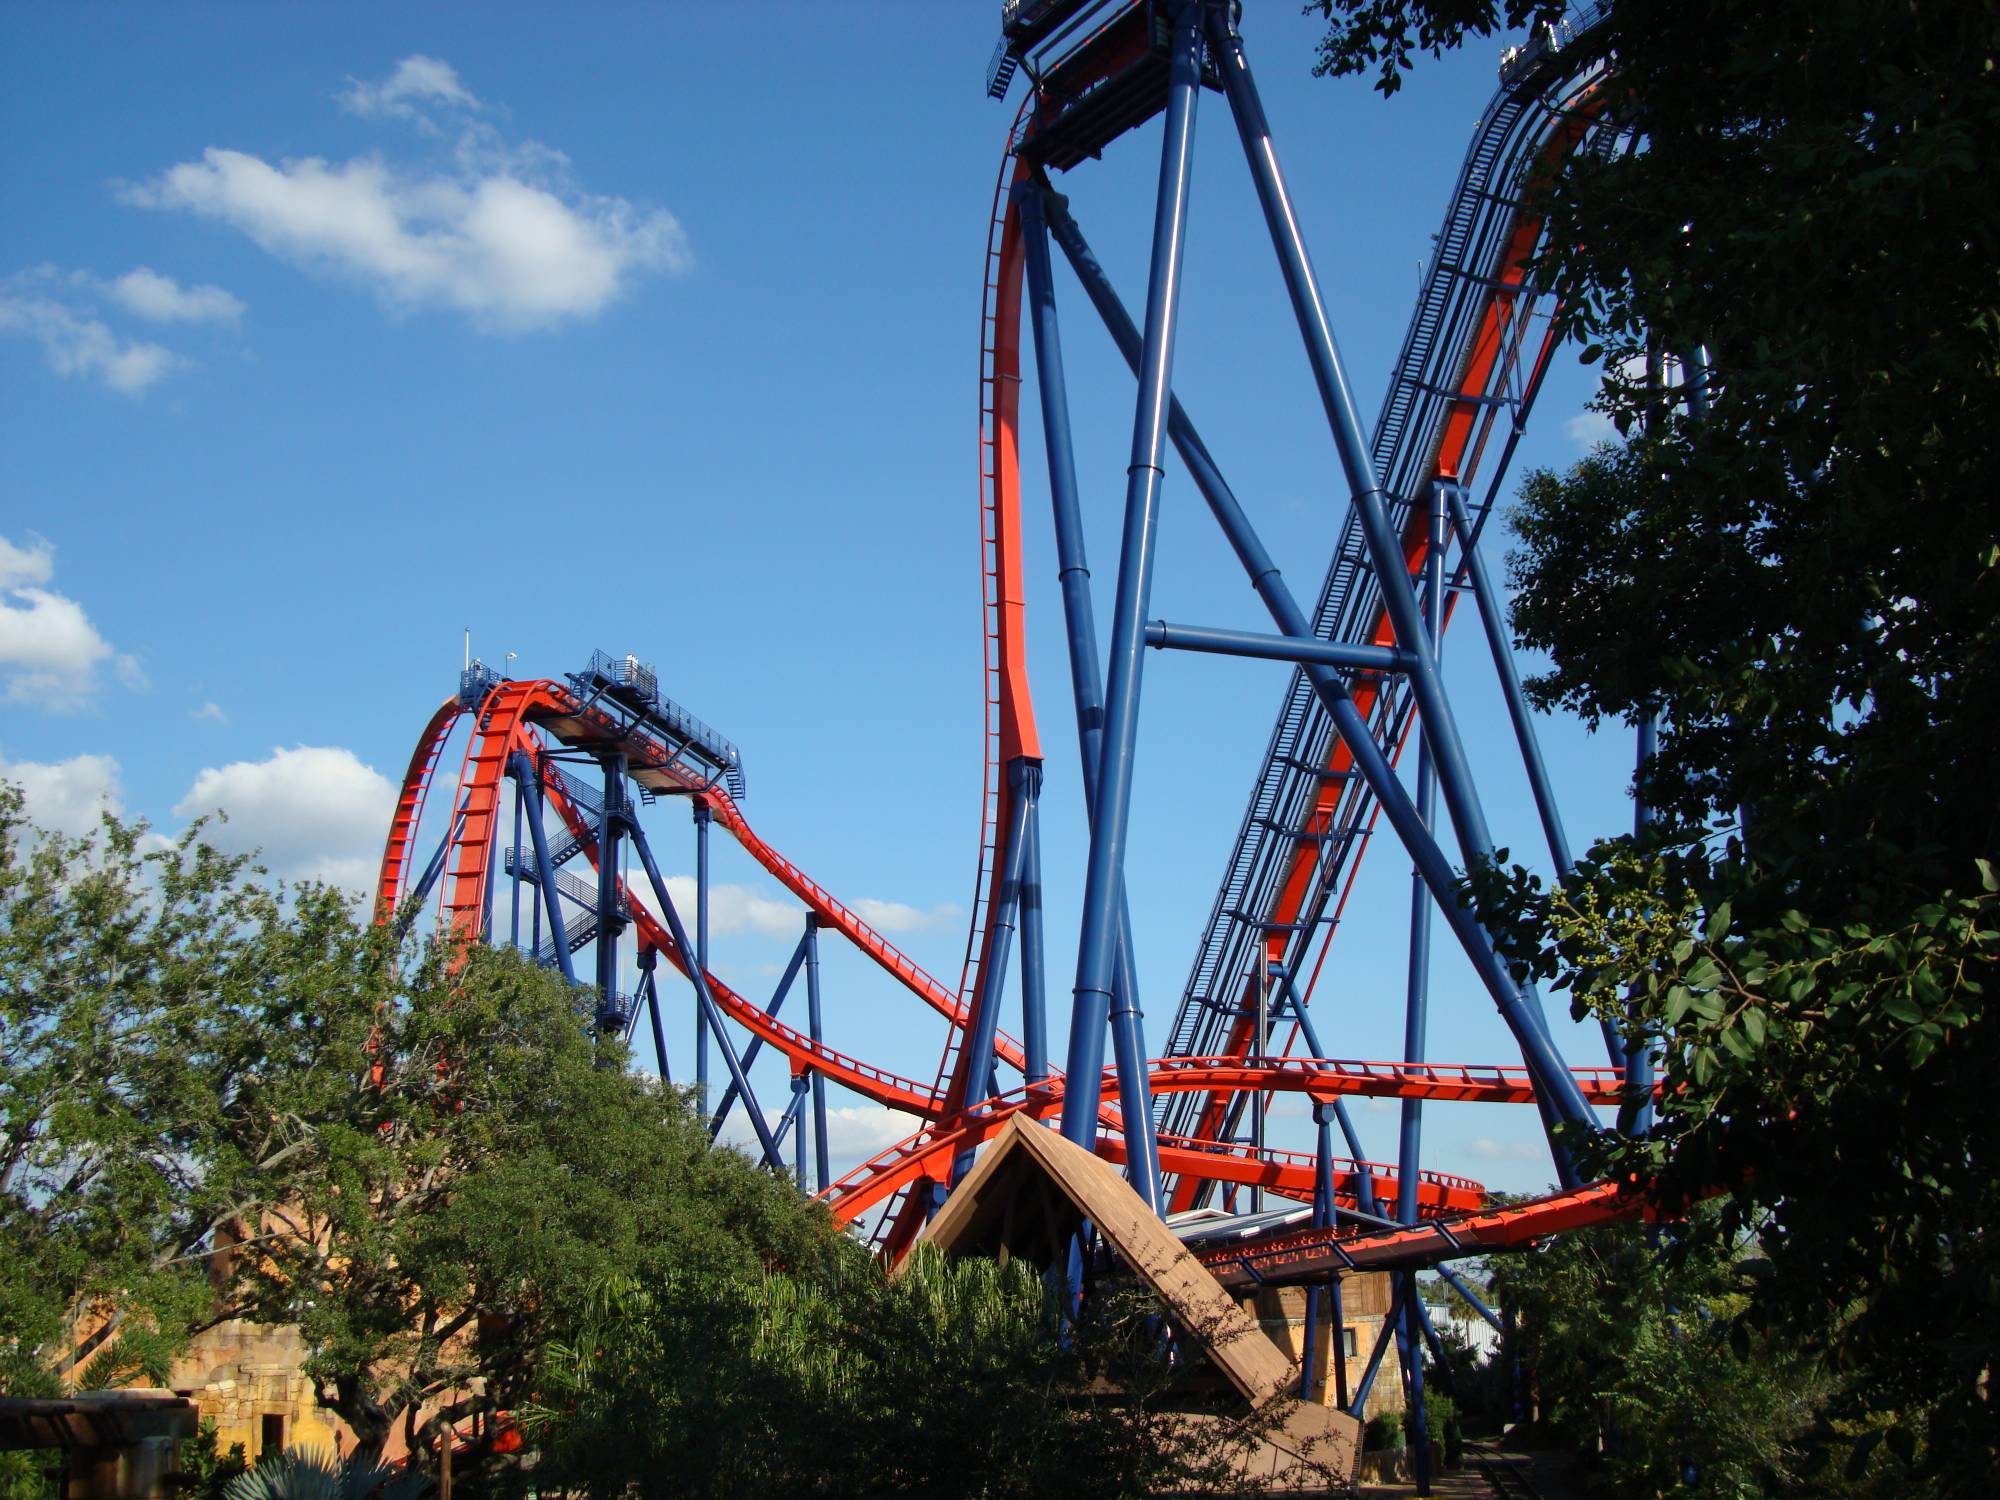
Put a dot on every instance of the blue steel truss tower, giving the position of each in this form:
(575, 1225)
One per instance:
(1367, 665)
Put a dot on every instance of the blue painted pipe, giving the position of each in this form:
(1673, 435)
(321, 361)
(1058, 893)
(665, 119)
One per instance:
(820, 1156)
(1440, 726)
(1416, 1008)
(757, 1042)
(1024, 777)
(1365, 1180)
(514, 884)
(611, 823)
(1409, 1348)
(1492, 616)
(1457, 1284)
(1389, 1326)
(1521, 1010)
(648, 960)
(1126, 1017)
(772, 1156)
(701, 822)
(1034, 974)
(527, 783)
(799, 1131)
(1336, 654)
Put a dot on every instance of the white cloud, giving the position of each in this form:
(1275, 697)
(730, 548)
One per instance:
(417, 80)
(900, 916)
(49, 650)
(210, 713)
(67, 796)
(499, 233)
(315, 811)
(77, 344)
(1589, 428)
(737, 908)
(160, 299)
(64, 312)
(854, 1132)
(23, 566)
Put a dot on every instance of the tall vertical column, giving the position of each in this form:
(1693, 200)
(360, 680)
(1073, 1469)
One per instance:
(702, 818)
(611, 826)
(820, 1155)
(1417, 996)
(514, 890)
(527, 783)
(1086, 680)
(1098, 943)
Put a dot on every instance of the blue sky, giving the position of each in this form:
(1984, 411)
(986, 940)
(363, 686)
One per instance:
(328, 333)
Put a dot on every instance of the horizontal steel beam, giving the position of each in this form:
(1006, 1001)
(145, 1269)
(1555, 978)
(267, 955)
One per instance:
(1347, 658)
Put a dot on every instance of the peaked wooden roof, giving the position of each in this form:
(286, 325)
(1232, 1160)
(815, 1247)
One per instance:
(1028, 1192)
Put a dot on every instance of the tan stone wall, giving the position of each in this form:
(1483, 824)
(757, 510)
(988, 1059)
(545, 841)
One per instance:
(239, 1373)
(1281, 1313)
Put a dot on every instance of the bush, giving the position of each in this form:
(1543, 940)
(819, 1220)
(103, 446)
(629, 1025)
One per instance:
(1442, 1422)
(1384, 1430)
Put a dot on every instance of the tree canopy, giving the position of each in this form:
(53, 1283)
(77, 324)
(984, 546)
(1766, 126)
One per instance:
(1790, 561)
(225, 1100)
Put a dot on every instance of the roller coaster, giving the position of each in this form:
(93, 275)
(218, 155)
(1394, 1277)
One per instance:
(584, 754)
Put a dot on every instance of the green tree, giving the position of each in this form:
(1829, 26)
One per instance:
(1791, 560)
(952, 1377)
(1627, 1355)
(225, 1100)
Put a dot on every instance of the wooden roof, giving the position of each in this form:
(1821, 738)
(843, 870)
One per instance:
(1027, 1194)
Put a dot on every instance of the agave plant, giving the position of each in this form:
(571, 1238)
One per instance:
(316, 1474)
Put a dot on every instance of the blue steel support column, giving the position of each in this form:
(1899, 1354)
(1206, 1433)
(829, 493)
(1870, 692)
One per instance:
(611, 825)
(1322, 1218)
(1417, 999)
(701, 822)
(1034, 975)
(1364, 1179)
(527, 783)
(1025, 778)
(699, 975)
(514, 890)
(1457, 1284)
(1492, 617)
(1389, 1326)
(756, 1046)
(649, 964)
(1086, 682)
(1440, 727)
(486, 914)
(799, 1087)
(1097, 946)
(1519, 1007)
(813, 1030)
(1408, 1160)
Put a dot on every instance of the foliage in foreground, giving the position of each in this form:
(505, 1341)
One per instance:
(1792, 562)
(316, 1474)
(1626, 1352)
(222, 1100)
(954, 1377)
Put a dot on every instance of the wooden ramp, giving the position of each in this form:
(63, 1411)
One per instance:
(1026, 1196)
